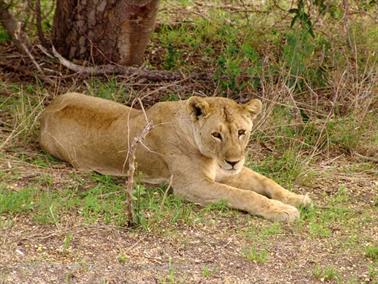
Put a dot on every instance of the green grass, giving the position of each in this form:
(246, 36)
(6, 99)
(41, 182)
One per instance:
(319, 221)
(372, 253)
(326, 273)
(208, 271)
(67, 242)
(373, 273)
(263, 233)
(170, 278)
(16, 201)
(284, 170)
(259, 256)
(104, 201)
(110, 89)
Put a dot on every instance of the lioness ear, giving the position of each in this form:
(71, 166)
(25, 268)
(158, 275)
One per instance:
(197, 107)
(254, 107)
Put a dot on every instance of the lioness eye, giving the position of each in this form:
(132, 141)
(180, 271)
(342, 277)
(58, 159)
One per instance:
(217, 135)
(241, 132)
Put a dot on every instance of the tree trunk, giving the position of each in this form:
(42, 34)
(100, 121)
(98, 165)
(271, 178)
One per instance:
(104, 31)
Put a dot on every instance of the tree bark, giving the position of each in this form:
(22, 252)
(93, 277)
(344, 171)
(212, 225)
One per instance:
(104, 31)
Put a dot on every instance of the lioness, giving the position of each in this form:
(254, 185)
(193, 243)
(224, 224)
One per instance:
(200, 142)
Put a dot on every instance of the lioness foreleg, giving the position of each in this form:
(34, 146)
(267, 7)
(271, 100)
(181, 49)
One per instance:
(250, 180)
(206, 192)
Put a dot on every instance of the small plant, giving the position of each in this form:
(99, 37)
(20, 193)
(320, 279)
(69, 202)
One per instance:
(255, 255)
(172, 57)
(122, 258)
(207, 271)
(171, 273)
(373, 273)
(372, 252)
(4, 36)
(67, 242)
(327, 273)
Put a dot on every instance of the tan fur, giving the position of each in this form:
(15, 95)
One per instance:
(192, 140)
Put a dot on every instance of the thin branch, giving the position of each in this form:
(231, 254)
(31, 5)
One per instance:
(365, 158)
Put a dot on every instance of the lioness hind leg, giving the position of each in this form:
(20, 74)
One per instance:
(250, 180)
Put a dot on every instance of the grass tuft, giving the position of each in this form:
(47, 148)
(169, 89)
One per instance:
(255, 255)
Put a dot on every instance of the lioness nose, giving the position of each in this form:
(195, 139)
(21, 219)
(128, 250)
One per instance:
(232, 163)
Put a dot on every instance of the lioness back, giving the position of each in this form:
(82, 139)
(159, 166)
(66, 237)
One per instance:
(75, 123)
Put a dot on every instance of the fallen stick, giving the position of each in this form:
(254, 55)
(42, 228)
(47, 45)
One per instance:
(151, 75)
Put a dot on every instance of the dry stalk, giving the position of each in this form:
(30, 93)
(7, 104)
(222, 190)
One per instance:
(130, 173)
(166, 193)
(328, 118)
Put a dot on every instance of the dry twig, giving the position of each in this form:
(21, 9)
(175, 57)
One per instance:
(130, 173)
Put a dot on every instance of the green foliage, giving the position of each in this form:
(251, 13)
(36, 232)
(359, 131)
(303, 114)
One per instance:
(4, 36)
(302, 13)
(301, 16)
(297, 51)
(345, 132)
(172, 57)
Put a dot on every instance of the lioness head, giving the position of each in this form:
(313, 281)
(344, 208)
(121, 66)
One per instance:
(221, 129)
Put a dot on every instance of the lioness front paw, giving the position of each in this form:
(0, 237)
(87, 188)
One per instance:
(299, 200)
(283, 213)
(306, 201)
